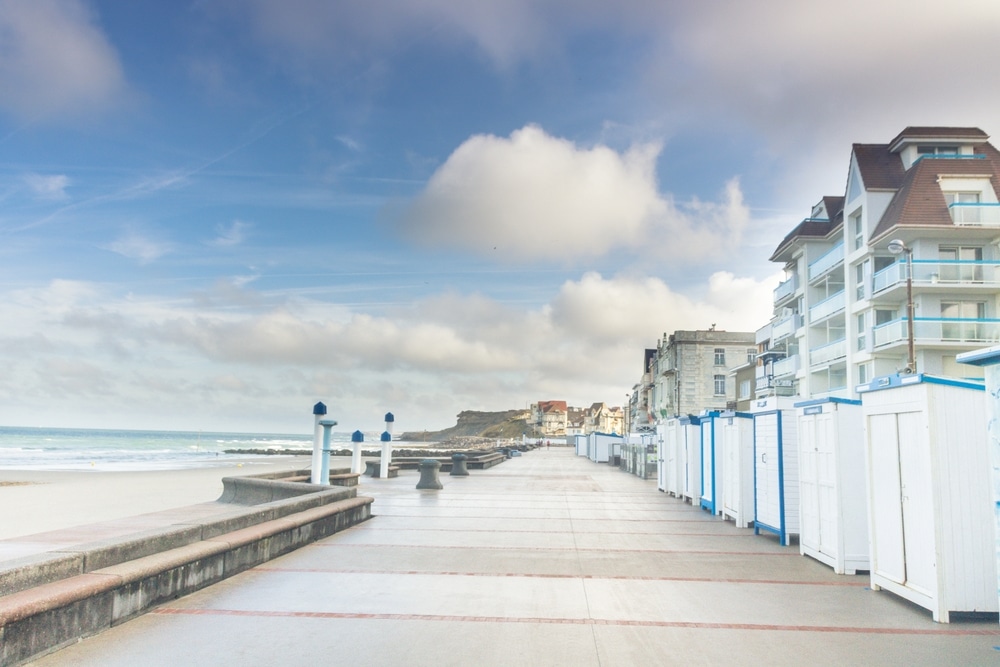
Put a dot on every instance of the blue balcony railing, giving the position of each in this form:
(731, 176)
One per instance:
(943, 329)
(829, 352)
(975, 214)
(932, 272)
(785, 289)
(827, 307)
(831, 259)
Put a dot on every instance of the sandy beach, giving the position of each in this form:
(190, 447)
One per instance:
(37, 501)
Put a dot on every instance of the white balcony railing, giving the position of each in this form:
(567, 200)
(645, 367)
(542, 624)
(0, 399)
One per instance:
(785, 327)
(763, 334)
(827, 307)
(829, 352)
(934, 272)
(787, 366)
(831, 259)
(932, 330)
(976, 214)
(785, 289)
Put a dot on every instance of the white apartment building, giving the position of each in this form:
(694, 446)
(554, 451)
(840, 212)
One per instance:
(840, 315)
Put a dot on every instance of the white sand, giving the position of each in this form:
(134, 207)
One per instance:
(39, 501)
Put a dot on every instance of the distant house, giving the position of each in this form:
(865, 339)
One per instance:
(557, 419)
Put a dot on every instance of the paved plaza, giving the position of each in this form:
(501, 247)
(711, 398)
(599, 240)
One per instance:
(547, 559)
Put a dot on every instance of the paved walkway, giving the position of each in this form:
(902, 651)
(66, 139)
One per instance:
(547, 559)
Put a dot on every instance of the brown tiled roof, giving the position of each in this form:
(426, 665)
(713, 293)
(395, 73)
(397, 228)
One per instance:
(549, 406)
(808, 227)
(919, 200)
(880, 169)
(940, 133)
(834, 208)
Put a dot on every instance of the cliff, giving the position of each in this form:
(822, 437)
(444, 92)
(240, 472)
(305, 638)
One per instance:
(471, 423)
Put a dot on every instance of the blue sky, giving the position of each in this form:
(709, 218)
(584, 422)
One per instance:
(215, 213)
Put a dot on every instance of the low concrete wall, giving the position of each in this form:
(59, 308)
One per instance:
(54, 599)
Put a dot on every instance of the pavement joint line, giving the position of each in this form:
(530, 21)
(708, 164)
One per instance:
(699, 625)
(545, 518)
(540, 575)
(382, 545)
(566, 532)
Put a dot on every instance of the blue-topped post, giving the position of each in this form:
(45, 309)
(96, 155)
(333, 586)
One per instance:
(324, 471)
(356, 439)
(319, 410)
(989, 359)
(386, 455)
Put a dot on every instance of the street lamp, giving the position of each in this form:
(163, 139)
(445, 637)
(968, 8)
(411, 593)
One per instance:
(896, 247)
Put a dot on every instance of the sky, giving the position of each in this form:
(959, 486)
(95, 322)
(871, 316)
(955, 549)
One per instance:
(214, 213)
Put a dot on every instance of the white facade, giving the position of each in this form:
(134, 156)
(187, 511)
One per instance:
(833, 501)
(840, 315)
(929, 492)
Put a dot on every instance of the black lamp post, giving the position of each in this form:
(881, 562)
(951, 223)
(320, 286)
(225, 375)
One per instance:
(897, 247)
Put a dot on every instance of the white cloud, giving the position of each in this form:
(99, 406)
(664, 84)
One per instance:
(231, 235)
(47, 187)
(55, 60)
(139, 247)
(536, 197)
(96, 352)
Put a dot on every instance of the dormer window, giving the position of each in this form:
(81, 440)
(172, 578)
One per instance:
(937, 150)
(964, 207)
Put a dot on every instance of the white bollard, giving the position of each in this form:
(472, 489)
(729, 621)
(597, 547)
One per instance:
(356, 439)
(324, 470)
(386, 455)
(319, 410)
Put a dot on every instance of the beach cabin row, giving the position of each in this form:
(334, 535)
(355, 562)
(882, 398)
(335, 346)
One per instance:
(897, 484)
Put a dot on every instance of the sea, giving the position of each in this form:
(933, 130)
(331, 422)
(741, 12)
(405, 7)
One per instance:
(25, 448)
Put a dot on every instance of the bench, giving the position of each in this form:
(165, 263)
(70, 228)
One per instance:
(374, 469)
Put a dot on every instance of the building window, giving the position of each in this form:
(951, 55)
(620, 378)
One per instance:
(720, 385)
(860, 270)
(937, 150)
(751, 354)
(963, 206)
(720, 356)
(744, 390)
(962, 320)
(864, 377)
(957, 264)
(857, 229)
(862, 329)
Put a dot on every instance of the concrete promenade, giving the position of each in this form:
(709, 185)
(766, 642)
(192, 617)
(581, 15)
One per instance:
(547, 559)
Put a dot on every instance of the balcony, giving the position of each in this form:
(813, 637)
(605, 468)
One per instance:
(928, 330)
(828, 261)
(977, 214)
(785, 290)
(787, 366)
(827, 353)
(947, 273)
(763, 334)
(827, 307)
(785, 327)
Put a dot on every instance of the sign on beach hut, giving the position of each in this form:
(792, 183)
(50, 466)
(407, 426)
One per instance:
(734, 430)
(776, 469)
(929, 493)
(711, 464)
(833, 501)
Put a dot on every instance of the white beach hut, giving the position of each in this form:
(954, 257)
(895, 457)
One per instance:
(690, 458)
(711, 463)
(580, 443)
(602, 447)
(776, 467)
(672, 435)
(929, 493)
(734, 430)
(832, 498)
